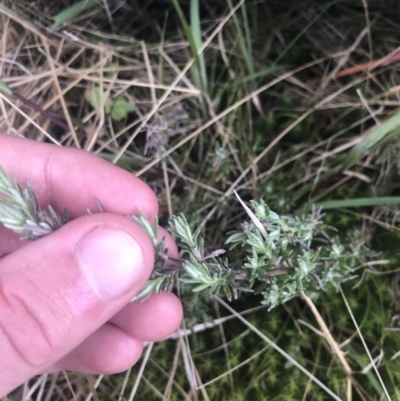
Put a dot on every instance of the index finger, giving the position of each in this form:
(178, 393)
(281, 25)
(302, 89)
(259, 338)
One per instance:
(72, 179)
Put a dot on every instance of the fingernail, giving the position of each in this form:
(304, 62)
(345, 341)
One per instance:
(111, 261)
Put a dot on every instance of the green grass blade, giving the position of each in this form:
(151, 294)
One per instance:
(244, 45)
(73, 11)
(196, 35)
(272, 69)
(188, 32)
(4, 88)
(377, 135)
(358, 202)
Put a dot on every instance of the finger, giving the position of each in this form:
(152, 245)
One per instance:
(58, 290)
(158, 316)
(115, 348)
(71, 179)
(107, 351)
(151, 320)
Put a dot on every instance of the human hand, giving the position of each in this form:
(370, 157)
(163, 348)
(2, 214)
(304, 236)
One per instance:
(64, 298)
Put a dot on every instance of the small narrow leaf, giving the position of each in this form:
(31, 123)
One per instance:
(4, 88)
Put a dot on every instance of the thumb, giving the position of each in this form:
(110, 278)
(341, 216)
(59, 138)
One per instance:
(56, 291)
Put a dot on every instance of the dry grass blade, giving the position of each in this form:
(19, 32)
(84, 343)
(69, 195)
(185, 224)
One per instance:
(281, 351)
(232, 108)
(334, 345)
(244, 363)
(365, 345)
(96, 384)
(141, 371)
(253, 217)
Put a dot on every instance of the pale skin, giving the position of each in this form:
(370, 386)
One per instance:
(52, 316)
